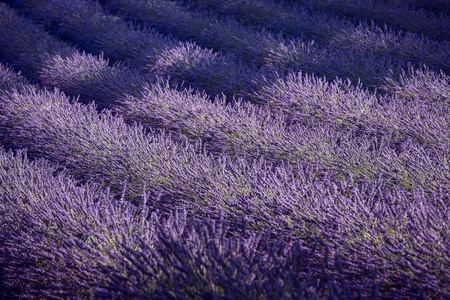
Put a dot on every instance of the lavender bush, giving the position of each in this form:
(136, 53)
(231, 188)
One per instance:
(10, 80)
(190, 65)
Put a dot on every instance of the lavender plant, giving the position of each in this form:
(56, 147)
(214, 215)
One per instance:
(189, 65)
(92, 79)
(10, 80)
(248, 131)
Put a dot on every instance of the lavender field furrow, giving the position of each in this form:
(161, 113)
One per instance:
(173, 150)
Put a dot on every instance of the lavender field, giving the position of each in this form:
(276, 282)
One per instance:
(224, 149)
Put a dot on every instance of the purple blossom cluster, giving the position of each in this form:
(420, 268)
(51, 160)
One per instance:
(125, 184)
(9, 80)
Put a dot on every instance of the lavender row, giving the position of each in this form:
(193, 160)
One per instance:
(61, 239)
(101, 148)
(398, 14)
(350, 54)
(144, 49)
(416, 106)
